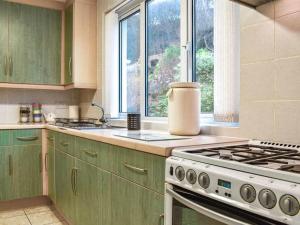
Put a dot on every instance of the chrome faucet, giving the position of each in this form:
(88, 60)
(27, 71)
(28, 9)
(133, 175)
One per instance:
(103, 120)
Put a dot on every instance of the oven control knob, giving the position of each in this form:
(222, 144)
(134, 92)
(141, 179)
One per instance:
(248, 193)
(191, 176)
(180, 173)
(267, 198)
(204, 180)
(289, 205)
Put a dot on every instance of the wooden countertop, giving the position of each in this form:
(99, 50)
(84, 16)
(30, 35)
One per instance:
(162, 148)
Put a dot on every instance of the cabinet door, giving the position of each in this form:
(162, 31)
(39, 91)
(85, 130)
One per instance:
(27, 171)
(135, 205)
(34, 44)
(3, 41)
(51, 173)
(6, 181)
(87, 194)
(69, 45)
(105, 185)
(64, 184)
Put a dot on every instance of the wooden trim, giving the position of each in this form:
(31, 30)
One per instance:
(32, 86)
(46, 87)
(24, 203)
(44, 151)
(62, 77)
(51, 4)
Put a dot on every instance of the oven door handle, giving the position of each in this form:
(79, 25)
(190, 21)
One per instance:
(203, 210)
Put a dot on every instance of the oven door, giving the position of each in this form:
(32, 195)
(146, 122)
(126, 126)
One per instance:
(187, 208)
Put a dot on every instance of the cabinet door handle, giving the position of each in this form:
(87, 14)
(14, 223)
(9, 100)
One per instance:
(5, 66)
(136, 169)
(11, 66)
(64, 144)
(10, 165)
(46, 161)
(161, 219)
(72, 180)
(91, 154)
(41, 162)
(50, 138)
(70, 67)
(27, 138)
(75, 181)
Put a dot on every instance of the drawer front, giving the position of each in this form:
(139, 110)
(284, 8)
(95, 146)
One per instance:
(50, 138)
(5, 138)
(94, 152)
(142, 168)
(27, 137)
(65, 143)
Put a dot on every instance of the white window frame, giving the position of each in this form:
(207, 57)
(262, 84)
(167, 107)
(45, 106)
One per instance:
(186, 41)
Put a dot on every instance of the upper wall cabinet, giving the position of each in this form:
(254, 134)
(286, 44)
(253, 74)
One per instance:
(30, 44)
(81, 44)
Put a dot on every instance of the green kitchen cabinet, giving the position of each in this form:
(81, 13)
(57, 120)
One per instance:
(27, 171)
(34, 44)
(87, 194)
(6, 179)
(135, 205)
(65, 143)
(65, 174)
(5, 138)
(69, 45)
(3, 41)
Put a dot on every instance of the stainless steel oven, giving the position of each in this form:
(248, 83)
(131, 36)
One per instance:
(184, 207)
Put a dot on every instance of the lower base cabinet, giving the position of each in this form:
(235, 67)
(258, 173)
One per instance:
(51, 173)
(87, 194)
(6, 179)
(135, 205)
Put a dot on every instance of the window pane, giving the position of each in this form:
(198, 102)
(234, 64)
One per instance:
(204, 51)
(129, 64)
(163, 53)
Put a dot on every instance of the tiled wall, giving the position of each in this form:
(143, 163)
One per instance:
(270, 71)
(52, 101)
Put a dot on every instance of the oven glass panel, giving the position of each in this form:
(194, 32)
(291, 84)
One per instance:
(186, 216)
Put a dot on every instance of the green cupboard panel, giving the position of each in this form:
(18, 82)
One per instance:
(3, 41)
(6, 179)
(27, 137)
(135, 205)
(87, 194)
(65, 143)
(27, 171)
(51, 173)
(65, 197)
(128, 163)
(69, 45)
(34, 44)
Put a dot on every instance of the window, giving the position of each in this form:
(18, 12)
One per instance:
(163, 53)
(203, 51)
(129, 63)
(165, 41)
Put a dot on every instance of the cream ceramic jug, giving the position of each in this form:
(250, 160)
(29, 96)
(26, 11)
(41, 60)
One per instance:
(184, 108)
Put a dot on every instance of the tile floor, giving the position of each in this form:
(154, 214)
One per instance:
(39, 215)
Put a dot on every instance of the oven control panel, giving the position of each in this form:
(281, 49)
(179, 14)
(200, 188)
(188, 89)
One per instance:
(273, 198)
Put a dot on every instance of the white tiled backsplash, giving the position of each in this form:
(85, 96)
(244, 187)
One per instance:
(52, 101)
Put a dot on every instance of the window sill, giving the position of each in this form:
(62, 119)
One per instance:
(163, 124)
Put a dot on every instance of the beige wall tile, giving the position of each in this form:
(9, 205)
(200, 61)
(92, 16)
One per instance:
(250, 16)
(258, 81)
(257, 120)
(284, 7)
(288, 79)
(287, 35)
(257, 42)
(287, 122)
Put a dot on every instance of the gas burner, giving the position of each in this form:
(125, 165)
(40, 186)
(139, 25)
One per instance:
(256, 150)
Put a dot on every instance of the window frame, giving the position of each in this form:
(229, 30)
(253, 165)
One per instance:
(130, 13)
